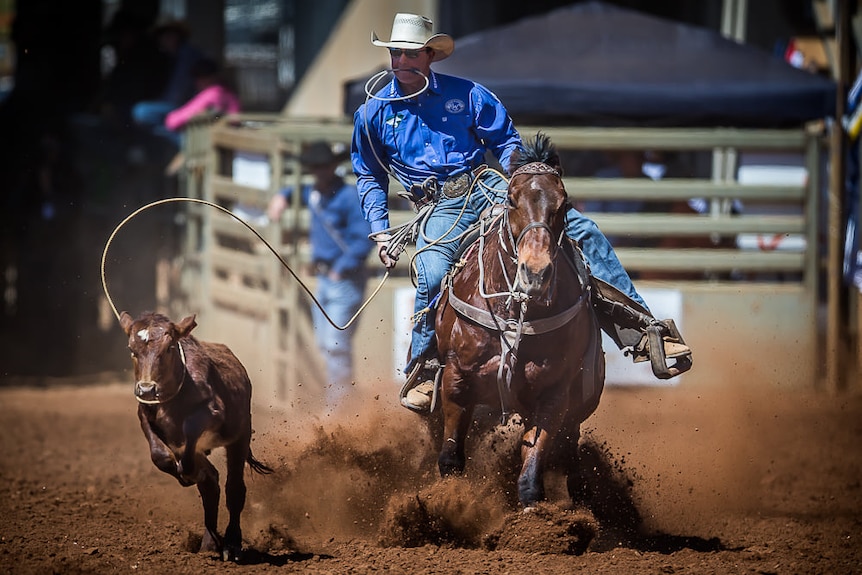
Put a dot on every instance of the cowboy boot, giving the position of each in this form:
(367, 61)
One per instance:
(640, 335)
(419, 391)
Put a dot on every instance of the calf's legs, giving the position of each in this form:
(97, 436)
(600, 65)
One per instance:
(235, 492)
(231, 546)
(210, 492)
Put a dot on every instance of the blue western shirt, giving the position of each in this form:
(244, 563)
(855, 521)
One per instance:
(443, 132)
(338, 234)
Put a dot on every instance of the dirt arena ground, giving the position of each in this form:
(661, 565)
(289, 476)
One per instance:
(686, 480)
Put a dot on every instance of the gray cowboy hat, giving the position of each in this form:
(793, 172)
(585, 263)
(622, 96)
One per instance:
(414, 32)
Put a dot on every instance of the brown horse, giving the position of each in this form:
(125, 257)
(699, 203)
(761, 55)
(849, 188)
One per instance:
(515, 328)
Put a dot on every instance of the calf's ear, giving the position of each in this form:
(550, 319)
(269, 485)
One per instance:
(126, 322)
(186, 326)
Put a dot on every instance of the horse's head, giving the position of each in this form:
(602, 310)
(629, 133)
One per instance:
(537, 214)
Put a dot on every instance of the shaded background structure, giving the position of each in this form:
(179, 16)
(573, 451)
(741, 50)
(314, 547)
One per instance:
(71, 166)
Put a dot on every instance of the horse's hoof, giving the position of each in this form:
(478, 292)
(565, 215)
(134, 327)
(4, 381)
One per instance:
(211, 543)
(529, 509)
(231, 554)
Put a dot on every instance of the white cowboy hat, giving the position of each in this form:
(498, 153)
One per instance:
(414, 32)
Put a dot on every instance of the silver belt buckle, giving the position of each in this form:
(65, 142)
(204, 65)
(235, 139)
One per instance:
(457, 186)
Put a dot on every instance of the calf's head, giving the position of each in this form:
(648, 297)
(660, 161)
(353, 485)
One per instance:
(157, 354)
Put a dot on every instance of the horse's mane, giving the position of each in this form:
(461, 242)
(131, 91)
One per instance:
(537, 149)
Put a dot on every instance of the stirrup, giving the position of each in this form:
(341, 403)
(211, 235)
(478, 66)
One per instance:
(413, 380)
(660, 342)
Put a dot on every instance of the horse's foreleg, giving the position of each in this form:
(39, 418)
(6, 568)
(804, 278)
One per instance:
(456, 422)
(235, 493)
(531, 486)
(535, 449)
(567, 448)
(570, 459)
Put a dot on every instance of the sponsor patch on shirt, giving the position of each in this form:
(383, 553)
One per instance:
(394, 120)
(455, 106)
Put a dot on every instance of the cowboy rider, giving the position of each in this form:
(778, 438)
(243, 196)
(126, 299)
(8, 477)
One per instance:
(425, 127)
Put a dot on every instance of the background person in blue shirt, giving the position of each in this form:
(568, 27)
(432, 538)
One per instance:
(423, 125)
(339, 247)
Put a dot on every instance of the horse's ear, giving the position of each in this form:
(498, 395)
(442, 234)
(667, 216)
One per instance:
(548, 152)
(554, 160)
(515, 160)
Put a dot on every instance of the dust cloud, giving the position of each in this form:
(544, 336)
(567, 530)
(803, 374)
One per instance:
(369, 471)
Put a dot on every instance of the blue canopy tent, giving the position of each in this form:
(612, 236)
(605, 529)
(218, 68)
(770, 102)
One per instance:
(597, 64)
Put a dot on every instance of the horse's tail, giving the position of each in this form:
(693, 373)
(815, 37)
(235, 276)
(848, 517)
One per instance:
(258, 466)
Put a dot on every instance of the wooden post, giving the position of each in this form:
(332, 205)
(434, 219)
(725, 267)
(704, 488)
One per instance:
(837, 312)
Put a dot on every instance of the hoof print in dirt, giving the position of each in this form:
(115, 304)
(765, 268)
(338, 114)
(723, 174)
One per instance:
(547, 529)
(450, 512)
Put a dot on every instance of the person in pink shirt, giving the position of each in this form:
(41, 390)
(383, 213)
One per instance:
(212, 97)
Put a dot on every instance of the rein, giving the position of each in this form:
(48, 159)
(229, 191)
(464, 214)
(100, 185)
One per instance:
(492, 321)
(182, 381)
(511, 330)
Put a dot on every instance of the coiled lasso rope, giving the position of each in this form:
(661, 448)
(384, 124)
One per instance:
(255, 232)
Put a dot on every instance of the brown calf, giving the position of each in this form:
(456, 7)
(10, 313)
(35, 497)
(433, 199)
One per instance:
(194, 396)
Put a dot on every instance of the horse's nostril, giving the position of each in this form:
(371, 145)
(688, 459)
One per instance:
(531, 277)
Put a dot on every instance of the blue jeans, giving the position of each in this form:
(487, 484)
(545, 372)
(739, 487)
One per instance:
(341, 299)
(433, 260)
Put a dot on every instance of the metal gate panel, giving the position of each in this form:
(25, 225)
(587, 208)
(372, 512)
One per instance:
(743, 331)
